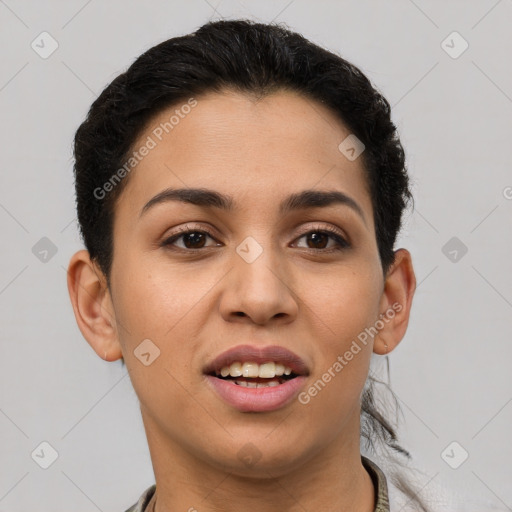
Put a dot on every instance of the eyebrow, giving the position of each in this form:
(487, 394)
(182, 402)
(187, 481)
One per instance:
(207, 198)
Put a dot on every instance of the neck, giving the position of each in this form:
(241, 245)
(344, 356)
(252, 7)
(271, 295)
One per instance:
(331, 479)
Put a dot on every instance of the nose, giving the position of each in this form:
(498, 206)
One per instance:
(259, 291)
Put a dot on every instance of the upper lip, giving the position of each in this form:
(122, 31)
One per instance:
(260, 355)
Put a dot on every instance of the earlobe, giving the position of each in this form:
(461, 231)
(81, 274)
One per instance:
(396, 302)
(92, 305)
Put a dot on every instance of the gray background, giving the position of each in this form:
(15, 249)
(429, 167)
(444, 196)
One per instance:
(451, 373)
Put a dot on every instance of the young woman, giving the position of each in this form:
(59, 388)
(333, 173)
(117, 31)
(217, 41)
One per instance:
(239, 193)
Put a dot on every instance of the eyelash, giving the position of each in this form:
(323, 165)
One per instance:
(333, 233)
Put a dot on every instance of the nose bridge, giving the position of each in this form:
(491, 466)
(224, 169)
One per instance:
(258, 287)
(257, 264)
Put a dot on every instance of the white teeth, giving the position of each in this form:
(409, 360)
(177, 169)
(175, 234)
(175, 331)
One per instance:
(269, 384)
(250, 370)
(235, 370)
(267, 370)
(279, 369)
(246, 384)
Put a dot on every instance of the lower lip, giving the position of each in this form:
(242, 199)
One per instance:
(257, 399)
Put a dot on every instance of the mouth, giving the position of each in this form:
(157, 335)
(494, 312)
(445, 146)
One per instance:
(253, 375)
(257, 379)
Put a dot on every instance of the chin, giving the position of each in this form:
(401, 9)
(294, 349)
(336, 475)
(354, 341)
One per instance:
(259, 459)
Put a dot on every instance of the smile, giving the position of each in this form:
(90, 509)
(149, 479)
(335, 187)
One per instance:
(254, 379)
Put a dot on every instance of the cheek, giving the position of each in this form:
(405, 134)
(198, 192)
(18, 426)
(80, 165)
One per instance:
(344, 304)
(152, 301)
(157, 304)
(343, 310)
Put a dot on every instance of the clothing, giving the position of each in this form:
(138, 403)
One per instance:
(145, 503)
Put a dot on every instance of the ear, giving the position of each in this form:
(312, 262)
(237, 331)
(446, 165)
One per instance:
(395, 304)
(92, 306)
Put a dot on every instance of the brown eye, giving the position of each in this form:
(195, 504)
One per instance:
(192, 239)
(319, 239)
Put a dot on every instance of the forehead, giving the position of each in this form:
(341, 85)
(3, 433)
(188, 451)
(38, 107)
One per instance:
(253, 150)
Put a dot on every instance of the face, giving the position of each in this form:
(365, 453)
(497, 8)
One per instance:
(198, 278)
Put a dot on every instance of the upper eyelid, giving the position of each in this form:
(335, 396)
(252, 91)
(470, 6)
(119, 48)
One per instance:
(330, 230)
(210, 231)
